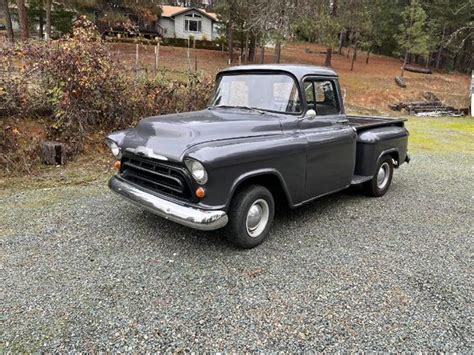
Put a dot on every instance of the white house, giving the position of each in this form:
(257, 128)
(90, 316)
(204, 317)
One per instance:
(183, 22)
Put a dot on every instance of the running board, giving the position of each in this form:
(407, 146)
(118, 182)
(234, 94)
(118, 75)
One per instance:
(359, 179)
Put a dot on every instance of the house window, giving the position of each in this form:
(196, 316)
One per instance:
(192, 23)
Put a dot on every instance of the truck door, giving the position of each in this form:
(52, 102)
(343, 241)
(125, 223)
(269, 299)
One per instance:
(331, 142)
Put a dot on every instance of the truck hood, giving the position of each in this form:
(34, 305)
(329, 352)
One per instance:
(171, 135)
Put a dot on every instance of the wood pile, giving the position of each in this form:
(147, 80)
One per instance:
(431, 106)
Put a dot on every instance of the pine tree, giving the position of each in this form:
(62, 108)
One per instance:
(412, 37)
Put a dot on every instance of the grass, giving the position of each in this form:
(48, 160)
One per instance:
(427, 135)
(441, 135)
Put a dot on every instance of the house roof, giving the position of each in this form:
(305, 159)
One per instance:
(298, 70)
(172, 11)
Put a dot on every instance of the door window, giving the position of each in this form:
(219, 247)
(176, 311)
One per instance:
(309, 94)
(321, 96)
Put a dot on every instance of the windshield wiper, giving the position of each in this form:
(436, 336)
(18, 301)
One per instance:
(239, 107)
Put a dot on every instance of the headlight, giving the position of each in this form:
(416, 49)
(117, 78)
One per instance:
(197, 171)
(114, 148)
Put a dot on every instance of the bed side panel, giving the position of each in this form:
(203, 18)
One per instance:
(373, 142)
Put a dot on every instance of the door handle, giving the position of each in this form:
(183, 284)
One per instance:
(342, 121)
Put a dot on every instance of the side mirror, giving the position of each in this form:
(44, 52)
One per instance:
(310, 114)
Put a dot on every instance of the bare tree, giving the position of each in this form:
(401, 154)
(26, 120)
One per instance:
(8, 19)
(23, 19)
(272, 19)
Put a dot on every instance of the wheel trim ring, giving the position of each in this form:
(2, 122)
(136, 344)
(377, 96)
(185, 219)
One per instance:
(259, 222)
(383, 175)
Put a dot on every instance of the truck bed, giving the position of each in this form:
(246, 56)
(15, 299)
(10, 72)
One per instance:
(363, 122)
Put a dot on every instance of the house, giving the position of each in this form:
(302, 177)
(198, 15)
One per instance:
(186, 22)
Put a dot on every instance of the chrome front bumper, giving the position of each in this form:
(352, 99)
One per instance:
(187, 216)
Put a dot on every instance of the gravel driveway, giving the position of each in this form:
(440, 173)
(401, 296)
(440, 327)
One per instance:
(82, 269)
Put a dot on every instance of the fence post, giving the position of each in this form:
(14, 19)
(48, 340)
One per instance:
(136, 56)
(157, 56)
(189, 59)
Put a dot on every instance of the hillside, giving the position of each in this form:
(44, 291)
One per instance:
(369, 88)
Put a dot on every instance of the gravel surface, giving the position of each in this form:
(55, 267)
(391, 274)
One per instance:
(81, 269)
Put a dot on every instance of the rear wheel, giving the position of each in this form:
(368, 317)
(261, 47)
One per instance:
(250, 216)
(382, 179)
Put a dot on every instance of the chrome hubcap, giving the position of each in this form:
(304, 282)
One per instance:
(383, 176)
(257, 218)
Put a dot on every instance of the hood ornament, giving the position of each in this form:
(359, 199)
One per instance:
(146, 152)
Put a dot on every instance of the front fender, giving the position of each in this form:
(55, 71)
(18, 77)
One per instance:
(259, 173)
(231, 162)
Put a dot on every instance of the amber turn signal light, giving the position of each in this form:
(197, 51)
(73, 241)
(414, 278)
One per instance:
(200, 192)
(117, 165)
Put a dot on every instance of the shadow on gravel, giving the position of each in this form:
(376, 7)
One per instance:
(158, 228)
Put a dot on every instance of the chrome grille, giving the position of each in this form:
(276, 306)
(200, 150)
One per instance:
(162, 177)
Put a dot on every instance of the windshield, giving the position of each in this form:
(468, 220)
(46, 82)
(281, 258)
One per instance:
(268, 92)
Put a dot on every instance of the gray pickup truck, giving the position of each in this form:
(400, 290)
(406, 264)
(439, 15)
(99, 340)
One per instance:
(272, 134)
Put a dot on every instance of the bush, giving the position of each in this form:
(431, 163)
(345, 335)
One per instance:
(13, 84)
(162, 96)
(78, 86)
(78, 78)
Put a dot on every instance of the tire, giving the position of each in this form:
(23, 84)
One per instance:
(379, 185)
(245, 229)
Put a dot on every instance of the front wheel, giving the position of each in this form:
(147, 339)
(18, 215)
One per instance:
(382, 179)
(250, 216)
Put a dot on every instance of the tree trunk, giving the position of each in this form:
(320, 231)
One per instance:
(8, 20)
(404, 63)
(427, 64)
(342, 37)
(327, 60)
(277, 54)
(23, 20)
(349, 44)
(242, 44)
(367, 58)
(252, 49)
(262, 53)
(354, 57)
(41, 19)
(438, 57)
(440, 51)
(354, 53)
(455, 60)
(230, 41)
(48, 20)
(246, 47)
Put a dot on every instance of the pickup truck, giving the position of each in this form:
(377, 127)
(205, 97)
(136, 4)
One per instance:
(271, 135)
